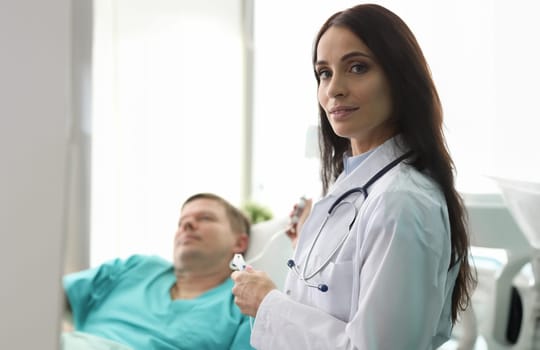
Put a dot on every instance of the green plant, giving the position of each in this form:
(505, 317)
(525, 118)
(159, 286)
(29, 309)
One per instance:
(257, 212)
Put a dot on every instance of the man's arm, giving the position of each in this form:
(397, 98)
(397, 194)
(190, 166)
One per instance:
(67, 317)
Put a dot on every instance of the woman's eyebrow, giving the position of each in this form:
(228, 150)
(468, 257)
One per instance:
(346, 57)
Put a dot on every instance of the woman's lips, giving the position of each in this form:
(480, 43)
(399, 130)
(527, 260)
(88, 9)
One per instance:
(341, 112)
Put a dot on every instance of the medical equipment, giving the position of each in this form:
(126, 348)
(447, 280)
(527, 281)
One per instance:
(523, 201)
(299, 208)
(505, 244)
(302, 275)
(238, 263)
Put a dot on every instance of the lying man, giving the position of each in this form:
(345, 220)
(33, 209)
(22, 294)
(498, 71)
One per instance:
(145, 302)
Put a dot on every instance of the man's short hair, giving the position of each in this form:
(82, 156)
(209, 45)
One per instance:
(238, 220)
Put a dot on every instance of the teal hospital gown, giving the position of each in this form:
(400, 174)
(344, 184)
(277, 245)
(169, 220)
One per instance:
(128, 301)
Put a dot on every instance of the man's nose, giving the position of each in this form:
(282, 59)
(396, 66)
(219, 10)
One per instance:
(187, 225)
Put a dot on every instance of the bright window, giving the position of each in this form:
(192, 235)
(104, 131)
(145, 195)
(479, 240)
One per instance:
(483, 60)
(167, 117)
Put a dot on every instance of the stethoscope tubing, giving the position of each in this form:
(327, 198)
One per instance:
(339, 201)
(336, 248)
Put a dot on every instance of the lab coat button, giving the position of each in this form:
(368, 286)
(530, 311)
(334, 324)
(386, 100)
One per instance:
(288, 292)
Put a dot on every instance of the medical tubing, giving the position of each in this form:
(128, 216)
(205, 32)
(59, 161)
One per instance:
(299, 208)
(267, 245)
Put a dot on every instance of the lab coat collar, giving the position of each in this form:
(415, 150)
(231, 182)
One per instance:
(378, 159)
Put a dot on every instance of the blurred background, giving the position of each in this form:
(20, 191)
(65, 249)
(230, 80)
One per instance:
(112, 112)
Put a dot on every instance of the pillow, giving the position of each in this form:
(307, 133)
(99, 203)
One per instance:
(270, 248)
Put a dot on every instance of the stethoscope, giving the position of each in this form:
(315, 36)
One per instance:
(323, 287)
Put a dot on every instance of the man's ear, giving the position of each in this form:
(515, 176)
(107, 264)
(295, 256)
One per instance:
(242, 242)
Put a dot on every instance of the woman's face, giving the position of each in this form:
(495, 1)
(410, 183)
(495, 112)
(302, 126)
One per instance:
(353, 90)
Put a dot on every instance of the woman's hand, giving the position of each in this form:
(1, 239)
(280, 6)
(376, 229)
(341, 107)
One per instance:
(296, 225)
(250, 288)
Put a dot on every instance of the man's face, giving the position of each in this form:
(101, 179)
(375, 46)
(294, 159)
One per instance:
(204, 238)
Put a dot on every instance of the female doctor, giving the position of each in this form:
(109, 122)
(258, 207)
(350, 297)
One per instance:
(382, 260)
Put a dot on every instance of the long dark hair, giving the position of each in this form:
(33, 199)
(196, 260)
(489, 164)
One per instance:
(417, 112)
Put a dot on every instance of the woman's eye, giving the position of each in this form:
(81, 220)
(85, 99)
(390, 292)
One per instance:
(324, 73)
(359, 68)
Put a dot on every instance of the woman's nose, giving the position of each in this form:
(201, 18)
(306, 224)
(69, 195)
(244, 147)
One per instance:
(336, 87)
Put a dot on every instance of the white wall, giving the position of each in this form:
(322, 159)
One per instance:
(34, 112)
(516, 83)
(483, 58)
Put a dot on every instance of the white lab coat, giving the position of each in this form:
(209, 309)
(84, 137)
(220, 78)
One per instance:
(389, 284)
